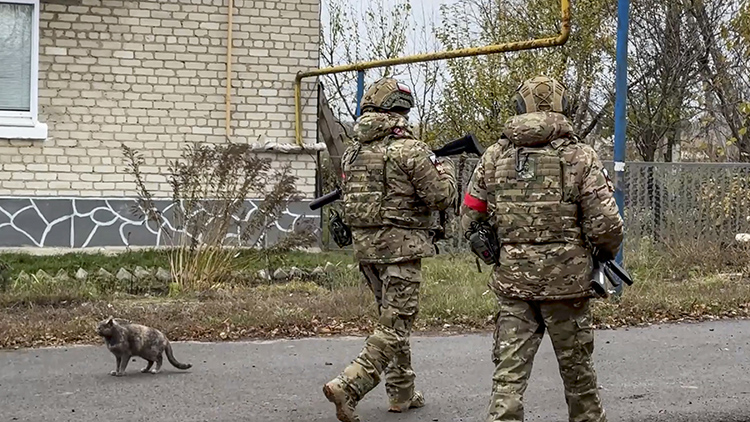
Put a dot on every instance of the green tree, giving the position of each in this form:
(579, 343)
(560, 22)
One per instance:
(478, 91)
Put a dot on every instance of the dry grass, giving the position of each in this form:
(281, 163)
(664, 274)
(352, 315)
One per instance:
(294, 309)
(655, 301)
(454, 296)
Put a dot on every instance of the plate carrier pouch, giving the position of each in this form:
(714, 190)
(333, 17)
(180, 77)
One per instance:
(368, 202)
(529, 195)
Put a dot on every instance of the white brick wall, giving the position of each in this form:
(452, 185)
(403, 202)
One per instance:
(152, 74)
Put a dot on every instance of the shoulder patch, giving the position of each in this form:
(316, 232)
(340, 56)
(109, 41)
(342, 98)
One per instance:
(399, 131)
(403, 88)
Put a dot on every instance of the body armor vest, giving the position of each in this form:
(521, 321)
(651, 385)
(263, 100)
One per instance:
(531, 204)
(371, 198)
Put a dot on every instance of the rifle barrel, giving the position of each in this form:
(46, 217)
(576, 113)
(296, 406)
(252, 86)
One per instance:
(325, 199)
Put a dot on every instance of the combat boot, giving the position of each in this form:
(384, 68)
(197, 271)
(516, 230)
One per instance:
(337, 393)
(416, 401)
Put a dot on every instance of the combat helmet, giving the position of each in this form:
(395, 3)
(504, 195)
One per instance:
(387, 94)
(541, 93)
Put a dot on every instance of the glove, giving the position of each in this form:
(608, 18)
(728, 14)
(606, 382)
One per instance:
(341, 233)
(602, 256)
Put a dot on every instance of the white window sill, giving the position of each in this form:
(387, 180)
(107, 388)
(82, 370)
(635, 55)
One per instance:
(38, 131)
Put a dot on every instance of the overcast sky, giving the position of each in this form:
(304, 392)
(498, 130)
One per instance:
(423, 11)
(430, 7)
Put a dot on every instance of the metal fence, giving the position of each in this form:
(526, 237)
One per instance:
(664, 202)
(667, 202)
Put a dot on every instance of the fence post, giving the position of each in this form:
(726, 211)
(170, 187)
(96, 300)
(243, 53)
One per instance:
(360, 90)
(621, 92)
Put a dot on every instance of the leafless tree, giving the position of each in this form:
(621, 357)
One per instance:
(723, 64)
(664, 69)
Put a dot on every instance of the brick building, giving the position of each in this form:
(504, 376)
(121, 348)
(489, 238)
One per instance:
(79, 77)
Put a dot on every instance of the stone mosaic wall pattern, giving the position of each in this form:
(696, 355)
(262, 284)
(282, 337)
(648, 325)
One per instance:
(104, 222)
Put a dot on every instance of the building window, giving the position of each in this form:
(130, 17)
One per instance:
(19, 72)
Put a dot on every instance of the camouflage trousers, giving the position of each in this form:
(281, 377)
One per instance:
(519, 329)
(387, 350)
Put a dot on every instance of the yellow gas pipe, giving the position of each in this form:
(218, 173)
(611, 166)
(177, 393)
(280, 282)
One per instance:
(558, 40)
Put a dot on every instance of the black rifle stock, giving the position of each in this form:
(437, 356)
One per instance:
(609, 275)
(467, 144)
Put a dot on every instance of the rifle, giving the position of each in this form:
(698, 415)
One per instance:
(467, 144)
(608, 275)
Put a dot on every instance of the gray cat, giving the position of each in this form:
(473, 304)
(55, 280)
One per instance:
(125, 340)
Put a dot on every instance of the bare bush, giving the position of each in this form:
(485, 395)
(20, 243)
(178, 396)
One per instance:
(726, 201)
(209, 217)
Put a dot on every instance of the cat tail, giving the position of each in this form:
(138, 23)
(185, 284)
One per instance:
(174, 361)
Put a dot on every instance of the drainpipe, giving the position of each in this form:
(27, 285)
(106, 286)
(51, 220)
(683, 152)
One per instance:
(228, 104)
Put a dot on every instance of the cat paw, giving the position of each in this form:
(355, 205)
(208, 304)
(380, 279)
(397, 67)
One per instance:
(145, 370)
(113, 373)
(153, 371)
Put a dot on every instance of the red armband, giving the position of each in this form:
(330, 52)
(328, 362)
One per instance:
(476, 204)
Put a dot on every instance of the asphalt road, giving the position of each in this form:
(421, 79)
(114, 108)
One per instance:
(685, 372)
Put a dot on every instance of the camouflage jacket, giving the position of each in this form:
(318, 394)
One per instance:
(554, 264)
(400, 205)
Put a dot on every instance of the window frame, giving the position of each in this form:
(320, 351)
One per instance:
(25, 124)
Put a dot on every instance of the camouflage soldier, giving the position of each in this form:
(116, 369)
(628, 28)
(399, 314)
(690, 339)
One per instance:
(392, 186)
(550, 202)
